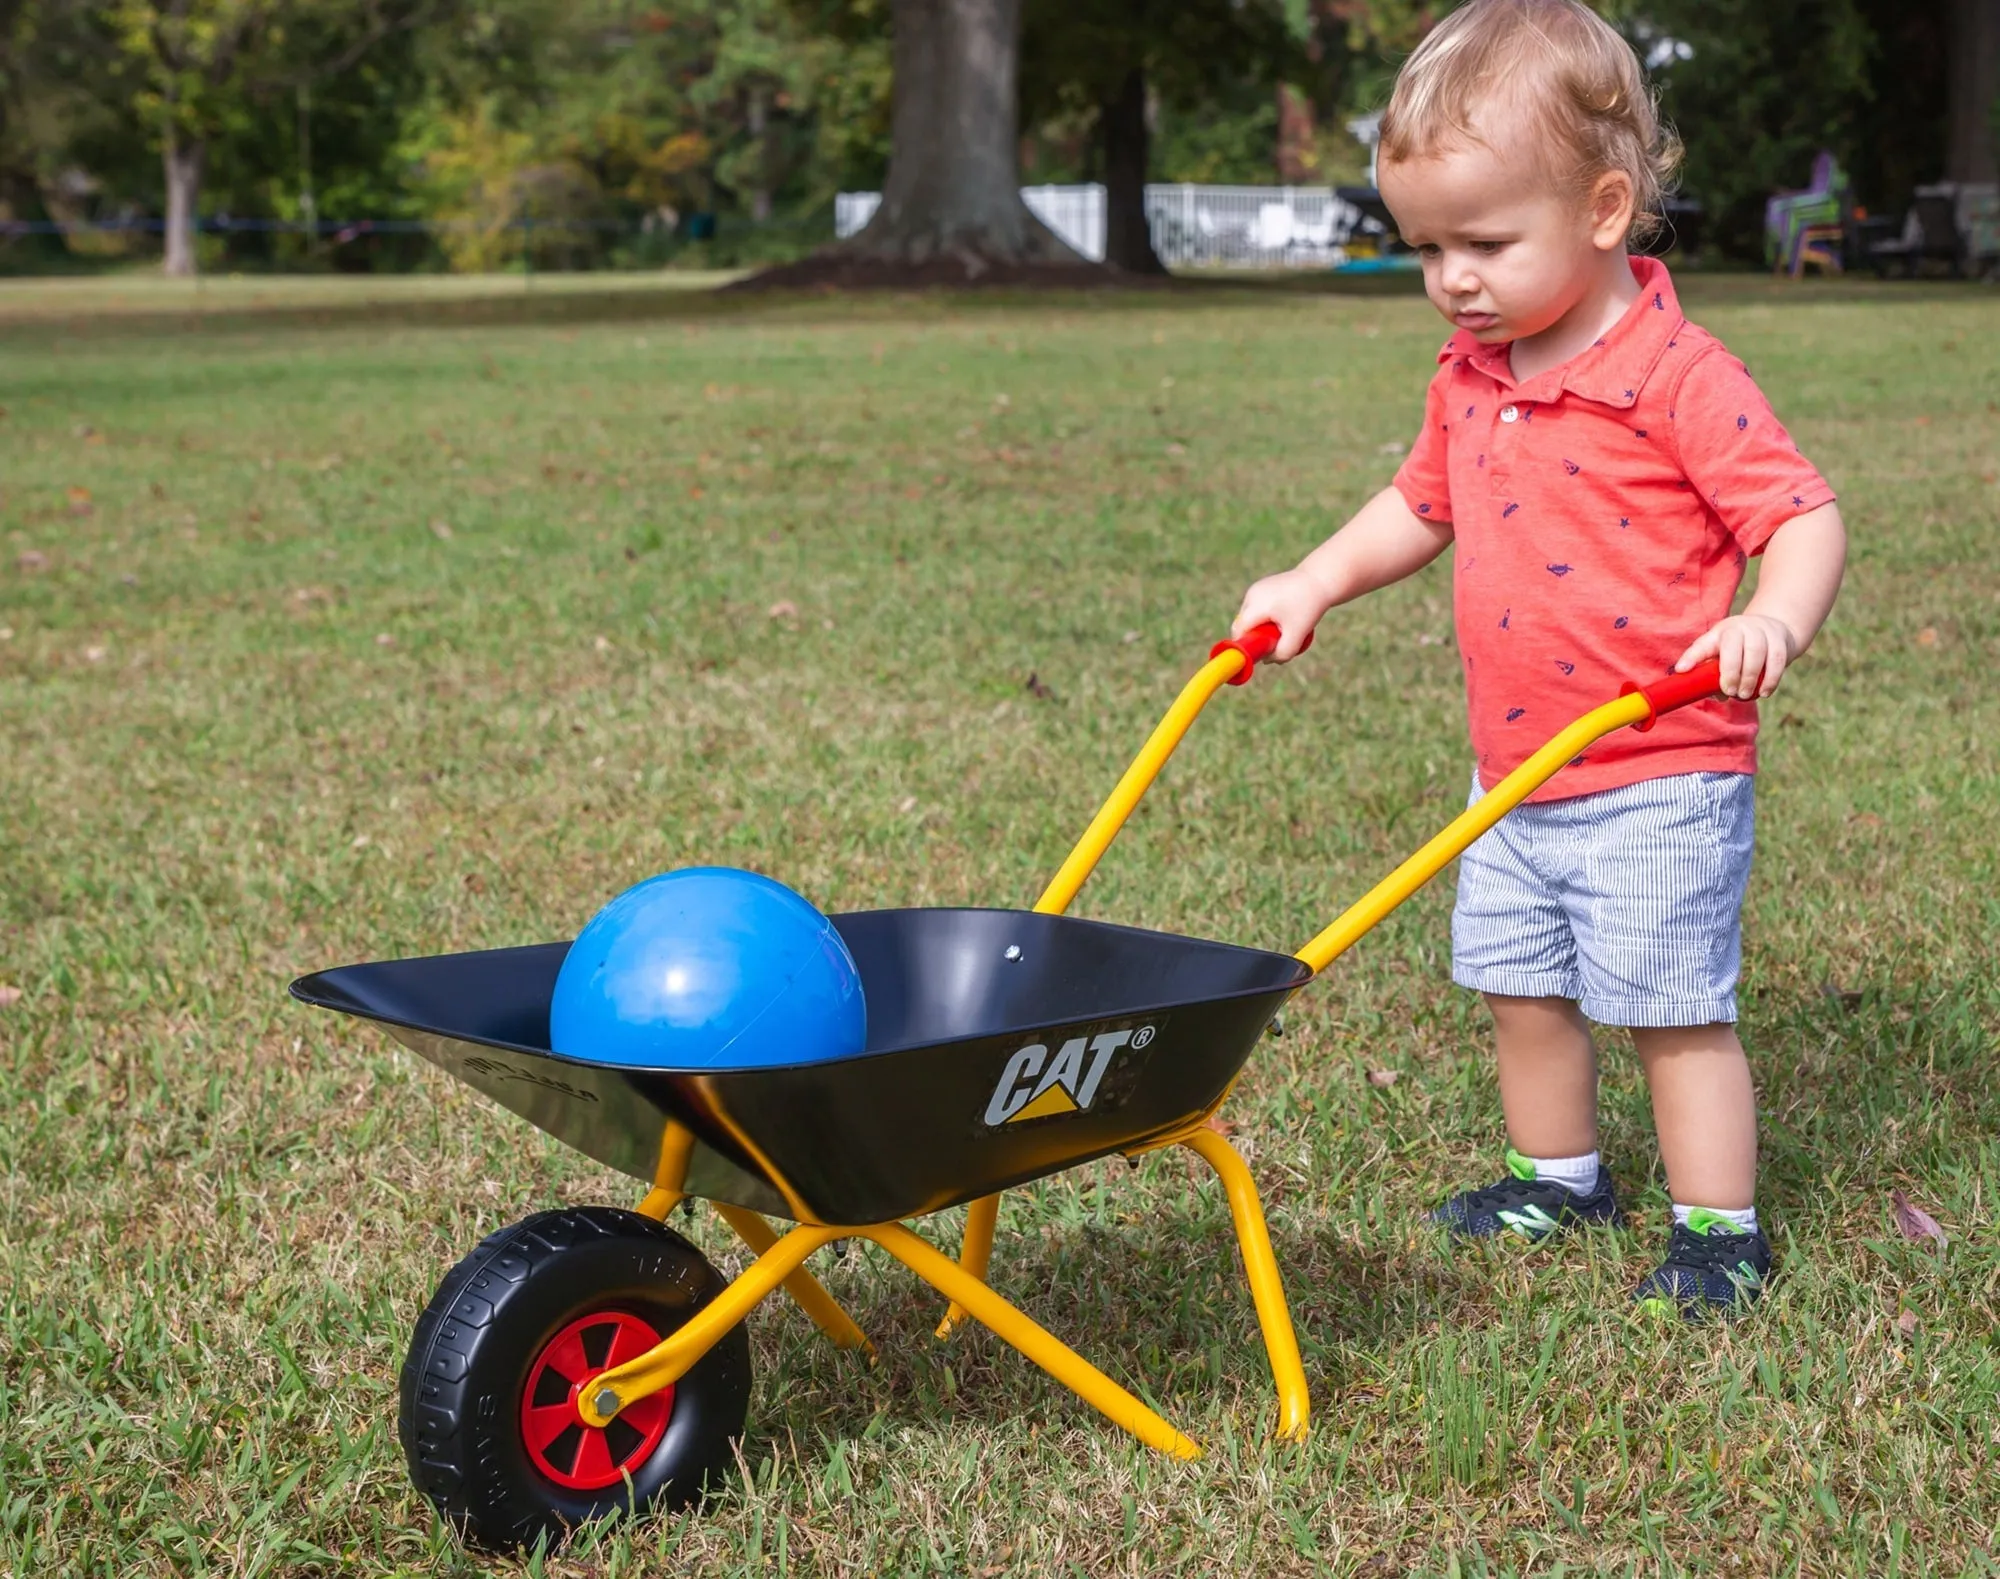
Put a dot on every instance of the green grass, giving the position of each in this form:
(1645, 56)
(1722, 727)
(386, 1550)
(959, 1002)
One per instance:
(341, 627)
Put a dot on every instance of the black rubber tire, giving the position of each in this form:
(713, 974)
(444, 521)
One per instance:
(473, 1346)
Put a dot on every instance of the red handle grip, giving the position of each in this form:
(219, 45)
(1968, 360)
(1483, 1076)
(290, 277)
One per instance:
(1256, 644)
(1676, 690)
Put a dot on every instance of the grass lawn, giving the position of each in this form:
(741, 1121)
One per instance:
(337, 627)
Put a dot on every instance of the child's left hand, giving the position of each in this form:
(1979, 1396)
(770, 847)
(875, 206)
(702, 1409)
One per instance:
(1753, 650)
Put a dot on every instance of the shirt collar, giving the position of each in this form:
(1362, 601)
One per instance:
(1613, 370)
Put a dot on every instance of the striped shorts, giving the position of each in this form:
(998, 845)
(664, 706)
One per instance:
(1628, 901)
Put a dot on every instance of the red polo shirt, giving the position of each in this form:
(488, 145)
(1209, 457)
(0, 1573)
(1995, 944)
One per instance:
(1602, 513)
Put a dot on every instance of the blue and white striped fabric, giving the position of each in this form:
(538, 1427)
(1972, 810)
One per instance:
(1628, 901)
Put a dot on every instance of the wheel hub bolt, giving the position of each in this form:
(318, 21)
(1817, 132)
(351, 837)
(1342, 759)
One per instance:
(606, 1402)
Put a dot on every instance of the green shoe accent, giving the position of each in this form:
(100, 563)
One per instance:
(1658, 1308)
(1703, 1221)
(1521, 1167)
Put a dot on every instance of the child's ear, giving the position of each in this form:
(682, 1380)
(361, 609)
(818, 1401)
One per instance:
(1611, 209)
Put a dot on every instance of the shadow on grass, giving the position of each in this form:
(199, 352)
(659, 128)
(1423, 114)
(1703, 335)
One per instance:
(636, 304)
(558, 308)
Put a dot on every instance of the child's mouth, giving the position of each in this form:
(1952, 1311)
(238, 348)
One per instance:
(1476, 322)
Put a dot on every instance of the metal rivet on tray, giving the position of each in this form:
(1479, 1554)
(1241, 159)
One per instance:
(1013, 951)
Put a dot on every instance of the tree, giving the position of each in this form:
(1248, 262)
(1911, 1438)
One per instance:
(954, 184)
(1973, 98)
(1112, 57)
(202, 61)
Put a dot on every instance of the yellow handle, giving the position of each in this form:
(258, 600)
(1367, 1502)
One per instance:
(1459, 834)
(1210, 678)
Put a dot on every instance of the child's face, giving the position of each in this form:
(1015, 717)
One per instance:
(1505, 254)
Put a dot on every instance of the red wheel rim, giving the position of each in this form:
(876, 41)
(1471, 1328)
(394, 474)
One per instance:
(560, 1444)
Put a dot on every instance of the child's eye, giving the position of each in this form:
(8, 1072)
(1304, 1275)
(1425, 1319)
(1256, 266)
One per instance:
(1487, 249)
(1429, 249)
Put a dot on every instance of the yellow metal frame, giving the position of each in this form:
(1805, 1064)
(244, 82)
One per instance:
(780, 1259)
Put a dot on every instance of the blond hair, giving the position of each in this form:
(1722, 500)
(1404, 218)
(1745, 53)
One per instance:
(1562, 65)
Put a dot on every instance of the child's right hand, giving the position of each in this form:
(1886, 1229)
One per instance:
(1294, 600)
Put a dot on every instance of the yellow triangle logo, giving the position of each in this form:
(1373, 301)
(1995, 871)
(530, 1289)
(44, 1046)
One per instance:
(1054, 1100)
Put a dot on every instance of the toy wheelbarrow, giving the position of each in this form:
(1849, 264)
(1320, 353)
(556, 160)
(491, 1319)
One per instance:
(590, 1360)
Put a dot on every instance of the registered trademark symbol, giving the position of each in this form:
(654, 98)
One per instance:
(1142, 1036)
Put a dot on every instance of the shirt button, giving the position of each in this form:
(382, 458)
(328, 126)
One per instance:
(1510, 413)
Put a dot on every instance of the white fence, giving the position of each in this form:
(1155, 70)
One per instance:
(1193, 226)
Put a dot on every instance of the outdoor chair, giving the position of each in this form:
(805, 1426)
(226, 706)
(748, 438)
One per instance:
(1930, 234)
(1788, 216)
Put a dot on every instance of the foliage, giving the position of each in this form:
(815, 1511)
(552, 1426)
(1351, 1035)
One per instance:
(1764, 88)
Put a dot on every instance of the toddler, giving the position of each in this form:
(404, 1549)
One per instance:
(1599, 470)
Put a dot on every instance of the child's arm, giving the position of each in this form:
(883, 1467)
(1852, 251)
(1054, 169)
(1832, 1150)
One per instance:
(1384, 542)
(1795, 592)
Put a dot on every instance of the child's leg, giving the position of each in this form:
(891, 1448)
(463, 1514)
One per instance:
(1705, 1111)
(1548, 1075)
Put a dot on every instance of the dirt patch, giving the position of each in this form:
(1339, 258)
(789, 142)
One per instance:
(840, 271)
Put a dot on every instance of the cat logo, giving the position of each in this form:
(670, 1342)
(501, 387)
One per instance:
(1035, 1085)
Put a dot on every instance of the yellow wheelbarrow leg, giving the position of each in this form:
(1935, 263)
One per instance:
(975, 1254)
(805, 1289)
(676, 1354)
(676, 1145)
(1260, 1266)
(1036, 1342)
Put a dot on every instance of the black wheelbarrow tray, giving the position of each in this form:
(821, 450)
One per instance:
(588, 1360)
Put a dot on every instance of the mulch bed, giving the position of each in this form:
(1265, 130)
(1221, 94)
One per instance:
(838, 271)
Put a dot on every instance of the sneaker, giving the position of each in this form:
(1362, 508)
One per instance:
(1525, 1205)
(1711, 1270)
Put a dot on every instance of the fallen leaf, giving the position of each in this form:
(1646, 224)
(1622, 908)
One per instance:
(1129, 637)
(1382, 1077)
(30, 560)
(783, 609)
(1914, 1223)
(1036, 688)
(1222, 1126)
(9, 996)
(1177, 449)
(93, 655)
(1928, 636)
(474, 883)
(1865, 819)
(1906, 1324)
(907, 804)
(1840, 996)
(602, 644)
(441, 529)
(360, 842)
(384, 639)
(6, 633)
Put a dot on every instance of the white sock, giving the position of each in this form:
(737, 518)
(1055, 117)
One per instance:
(1743, 1220)
(1573, 1173)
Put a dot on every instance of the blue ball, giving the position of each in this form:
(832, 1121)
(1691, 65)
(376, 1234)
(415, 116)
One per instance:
(708, 968)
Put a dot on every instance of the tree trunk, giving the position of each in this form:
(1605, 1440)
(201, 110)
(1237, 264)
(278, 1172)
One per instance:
(760, 131)
(183, 160)
(1128, 239)
(954, 185)
(1973, 84)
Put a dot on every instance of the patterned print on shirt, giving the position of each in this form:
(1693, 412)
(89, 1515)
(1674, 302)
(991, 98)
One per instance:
(1514, 713)
(1571, 467)
(1620, 623)
(1566, 667)
(1557, 570)
(1505, 620)
(1742, 422)
(1509, 511)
